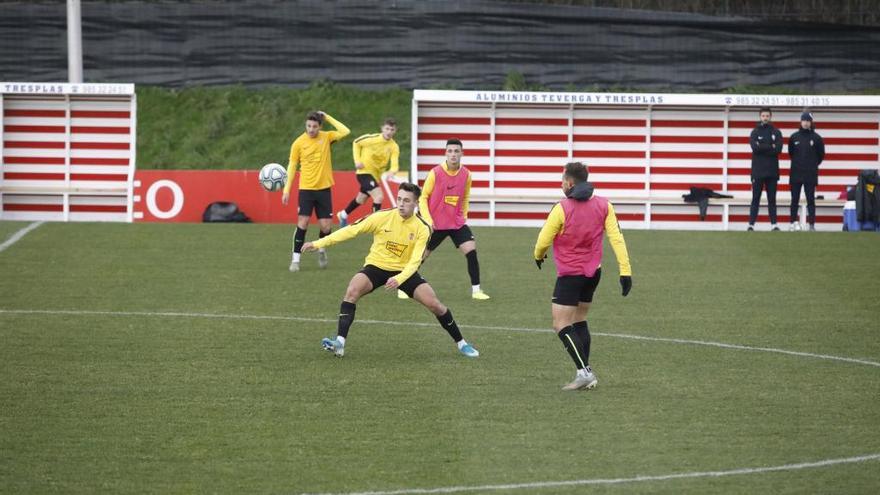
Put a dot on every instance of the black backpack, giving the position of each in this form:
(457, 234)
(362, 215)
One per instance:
(222, 211)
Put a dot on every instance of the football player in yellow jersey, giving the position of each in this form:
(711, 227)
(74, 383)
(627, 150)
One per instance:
(372, 153)
(399, 239)
(311, 151)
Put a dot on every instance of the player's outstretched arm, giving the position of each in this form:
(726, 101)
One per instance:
(552, 227)
(356, 149)
(466, 200)
(395, 159)
(364, 225)
(615, 237)
(427, 191)
(415, 259)
(293, 161)
(341, 130)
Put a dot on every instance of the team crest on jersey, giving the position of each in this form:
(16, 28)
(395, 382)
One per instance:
(395, 248)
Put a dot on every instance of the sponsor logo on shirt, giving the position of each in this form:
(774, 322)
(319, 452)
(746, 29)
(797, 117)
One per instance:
(451, 200)
(395, 248)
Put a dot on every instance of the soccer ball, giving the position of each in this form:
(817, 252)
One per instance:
(273, 177)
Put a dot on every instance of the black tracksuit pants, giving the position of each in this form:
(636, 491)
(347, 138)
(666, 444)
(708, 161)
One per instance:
(757, 186)
(810, 194)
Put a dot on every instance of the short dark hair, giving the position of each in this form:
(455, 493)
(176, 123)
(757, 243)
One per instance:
(765, 109)
(410, 187)
(317, 117)
(390, 121)
(454, 141)
(577, 171)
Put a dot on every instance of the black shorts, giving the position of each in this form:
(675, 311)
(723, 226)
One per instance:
(378, 277)
(320, 201)
(572, 289)
(459, 236)
(367, 182)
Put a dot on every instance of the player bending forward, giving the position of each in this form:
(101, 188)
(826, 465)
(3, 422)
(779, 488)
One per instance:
(372, 155)
(574, 228)
(399, 239)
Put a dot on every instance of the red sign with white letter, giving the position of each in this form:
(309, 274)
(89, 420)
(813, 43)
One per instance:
(183, 195)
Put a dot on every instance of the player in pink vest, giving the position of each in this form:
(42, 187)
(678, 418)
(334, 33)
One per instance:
(574, 228)
(444, 205)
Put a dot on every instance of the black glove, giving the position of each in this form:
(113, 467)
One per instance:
(540, 262)
(626, 283)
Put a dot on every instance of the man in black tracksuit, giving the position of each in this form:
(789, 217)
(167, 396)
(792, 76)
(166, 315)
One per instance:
(766, 143)
(807, 150)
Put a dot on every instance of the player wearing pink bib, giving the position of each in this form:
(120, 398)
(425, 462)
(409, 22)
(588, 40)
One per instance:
(574, 228)
(444, 205)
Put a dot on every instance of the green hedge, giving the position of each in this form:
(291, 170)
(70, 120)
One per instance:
(241, 128)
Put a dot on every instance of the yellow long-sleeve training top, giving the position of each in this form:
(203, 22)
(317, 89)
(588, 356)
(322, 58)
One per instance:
(376, 152)
(313, 157)
(398, 243)
(428, 190)
(556, 222)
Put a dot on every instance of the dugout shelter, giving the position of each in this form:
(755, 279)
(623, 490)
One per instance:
(644, 151)
(67, 151)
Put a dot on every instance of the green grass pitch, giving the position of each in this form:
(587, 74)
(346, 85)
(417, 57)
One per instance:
(108, 395)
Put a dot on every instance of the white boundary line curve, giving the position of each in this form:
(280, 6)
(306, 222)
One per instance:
(617, 481)
(18, 235)
(178, 314)
(515, 486)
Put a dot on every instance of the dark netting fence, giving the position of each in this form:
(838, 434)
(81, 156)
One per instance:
(461, 44)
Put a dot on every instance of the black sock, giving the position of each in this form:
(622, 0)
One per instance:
(299, 238)
(573, 345)
(323, 234)
(351, 207)
(582, 329)
(450, 326)
(346, 318)
(473, 267)
(377, 207)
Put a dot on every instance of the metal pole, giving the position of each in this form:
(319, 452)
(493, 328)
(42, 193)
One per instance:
(74, 42)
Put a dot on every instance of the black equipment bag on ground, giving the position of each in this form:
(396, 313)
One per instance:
(224, 212)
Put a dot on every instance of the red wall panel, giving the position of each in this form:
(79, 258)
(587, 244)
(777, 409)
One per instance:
(183, 195)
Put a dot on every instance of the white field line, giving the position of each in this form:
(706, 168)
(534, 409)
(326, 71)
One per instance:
(617, 481)
(18, 235)
(175, 314)
(516, 486)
